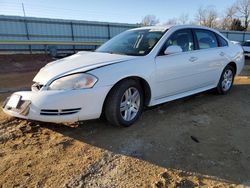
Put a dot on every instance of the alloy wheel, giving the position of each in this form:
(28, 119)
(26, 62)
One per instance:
(130, 104)
(227, 80)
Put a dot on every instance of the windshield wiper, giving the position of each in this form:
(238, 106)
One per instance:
(120, 53)
(110, 52)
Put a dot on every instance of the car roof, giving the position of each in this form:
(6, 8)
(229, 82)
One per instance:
(166, 27)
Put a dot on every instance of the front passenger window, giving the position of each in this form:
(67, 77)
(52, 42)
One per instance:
(182, 38)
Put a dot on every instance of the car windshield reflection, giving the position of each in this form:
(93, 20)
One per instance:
(133, 42)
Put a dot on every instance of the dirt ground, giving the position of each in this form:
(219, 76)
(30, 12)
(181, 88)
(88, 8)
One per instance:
(199, 141)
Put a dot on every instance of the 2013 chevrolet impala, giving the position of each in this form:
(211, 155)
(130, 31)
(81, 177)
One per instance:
(139, 67)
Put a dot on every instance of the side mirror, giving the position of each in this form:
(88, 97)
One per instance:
(172, 50)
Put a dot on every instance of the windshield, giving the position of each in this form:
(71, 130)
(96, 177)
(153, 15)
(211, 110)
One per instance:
(133, 42)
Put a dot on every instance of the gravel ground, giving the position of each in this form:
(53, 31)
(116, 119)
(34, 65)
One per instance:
(198, 141)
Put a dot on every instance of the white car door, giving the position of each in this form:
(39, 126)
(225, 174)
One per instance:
(211, 56)
(186, 71)
(176, 73)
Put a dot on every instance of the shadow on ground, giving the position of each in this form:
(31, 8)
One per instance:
(205, 134)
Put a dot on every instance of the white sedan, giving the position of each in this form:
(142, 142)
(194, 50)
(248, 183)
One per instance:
(139, 67)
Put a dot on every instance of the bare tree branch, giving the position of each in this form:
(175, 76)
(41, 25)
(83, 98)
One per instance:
(243, 8)
(184, 18)
(207, 17)
(172, 21)
(149, 20)
(228, 18)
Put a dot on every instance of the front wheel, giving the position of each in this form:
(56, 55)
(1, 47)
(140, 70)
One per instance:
(226, 81)
(124, 104)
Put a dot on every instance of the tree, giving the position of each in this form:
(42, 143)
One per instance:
(171, 21)
(207, 17)
(184, 18)
(228, 18)
(243, 8)
(149, 20)
(236, 25)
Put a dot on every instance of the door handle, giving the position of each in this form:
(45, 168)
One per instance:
(193, 59)
(222, 54)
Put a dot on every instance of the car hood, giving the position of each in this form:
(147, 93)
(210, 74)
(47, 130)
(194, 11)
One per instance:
(82, 61)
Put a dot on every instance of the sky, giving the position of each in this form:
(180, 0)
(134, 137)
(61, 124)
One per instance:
(126, 11)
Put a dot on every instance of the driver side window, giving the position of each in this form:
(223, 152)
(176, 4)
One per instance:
(182, 38)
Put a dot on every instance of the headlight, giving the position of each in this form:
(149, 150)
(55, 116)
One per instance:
(74, 81)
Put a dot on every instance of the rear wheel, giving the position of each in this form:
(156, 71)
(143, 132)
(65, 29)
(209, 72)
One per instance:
(226, 81)
(124, 103)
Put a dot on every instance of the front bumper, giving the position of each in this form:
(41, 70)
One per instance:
(59, 106)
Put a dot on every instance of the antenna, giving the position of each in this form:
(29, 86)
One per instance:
(23, 10)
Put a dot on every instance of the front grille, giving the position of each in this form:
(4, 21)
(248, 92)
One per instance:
(36, 87)
(55, 112)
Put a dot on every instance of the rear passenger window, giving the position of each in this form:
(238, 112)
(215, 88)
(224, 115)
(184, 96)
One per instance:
(206, 39)
(222, 41)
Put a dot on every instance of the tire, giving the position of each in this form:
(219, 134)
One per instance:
(226, 80)
(118, 106)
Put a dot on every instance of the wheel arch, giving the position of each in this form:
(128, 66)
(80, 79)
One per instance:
(233, 64)
(144, 84)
